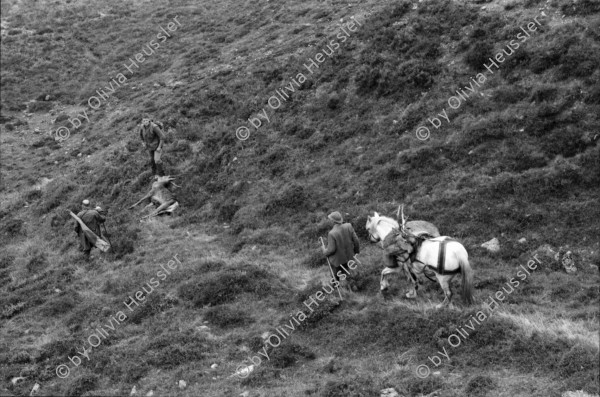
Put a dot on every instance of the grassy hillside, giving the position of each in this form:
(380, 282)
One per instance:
(517, 158)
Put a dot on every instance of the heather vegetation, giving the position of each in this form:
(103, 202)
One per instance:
(519, 160)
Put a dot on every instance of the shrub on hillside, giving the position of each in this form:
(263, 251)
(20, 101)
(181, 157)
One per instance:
(494, 127)
(227, 286)
(289, 354)
(125, 242)
(314, 260)
(313, 230)
(170, 350)
(480, 386)
(386, 78)
(543, 93)
(588, 296)
(262, 376)
(274, 236)
(227, 211)
(154, 303)
(61, 304)
(12, 228)
(363, 279)
(592, 97)
(292, 198)
(479, 54)
(37, 261)
(543, 60)
(40, 106)
(537, 352)
(578, 61)
(248, 217)
(423, 387)
(510, 94)
(566, 142)
(355, 386)
(580, 366)
(82, 314)
(57, 350)
(6, 261)
(82, 384)
(57, 193)
(190, 129)
(580, 7)
(227, 317)
(320, 308)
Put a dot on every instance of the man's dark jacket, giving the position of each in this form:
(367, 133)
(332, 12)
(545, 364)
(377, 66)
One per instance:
(342, 244)
(92, 219)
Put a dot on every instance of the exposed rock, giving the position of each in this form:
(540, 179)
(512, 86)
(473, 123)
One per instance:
(579, 393)
(35, 389)
(390, 392)
(565, 259)
(493, 245)
(244, 372)
(522, 240)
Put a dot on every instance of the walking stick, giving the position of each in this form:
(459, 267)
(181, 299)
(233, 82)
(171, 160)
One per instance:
(331, 269)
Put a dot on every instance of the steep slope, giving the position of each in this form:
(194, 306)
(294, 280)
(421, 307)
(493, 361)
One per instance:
(514, 155)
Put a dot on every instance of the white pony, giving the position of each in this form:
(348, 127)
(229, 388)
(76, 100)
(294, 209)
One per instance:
(454, 258)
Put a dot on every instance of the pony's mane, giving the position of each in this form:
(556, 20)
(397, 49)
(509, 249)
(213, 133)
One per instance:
(390, 220)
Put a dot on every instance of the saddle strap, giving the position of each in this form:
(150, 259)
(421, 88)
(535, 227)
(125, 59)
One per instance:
(441, 265)
(441, 257)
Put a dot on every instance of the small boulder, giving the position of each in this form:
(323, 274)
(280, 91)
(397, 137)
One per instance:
(35, 390)
(522, 240)
(182, 384)
(493, 245)
(389, 392)
(579, 393)
(17, 379)
(565, 259)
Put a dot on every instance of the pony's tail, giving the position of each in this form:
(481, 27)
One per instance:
(467, 281)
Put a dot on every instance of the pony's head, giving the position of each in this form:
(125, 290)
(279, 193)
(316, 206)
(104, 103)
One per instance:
(379, 226)
(371, 227)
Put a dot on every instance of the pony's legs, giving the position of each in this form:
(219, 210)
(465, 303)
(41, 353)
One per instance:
(412, 292)
(412, 275)
(445, 284)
